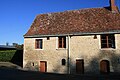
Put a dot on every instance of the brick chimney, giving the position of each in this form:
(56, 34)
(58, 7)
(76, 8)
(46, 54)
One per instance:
(113, 7)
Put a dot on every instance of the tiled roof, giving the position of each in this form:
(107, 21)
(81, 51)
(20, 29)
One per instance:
(93, 20)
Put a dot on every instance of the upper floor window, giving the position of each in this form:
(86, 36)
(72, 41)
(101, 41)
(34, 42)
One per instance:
(39, 44)
(62, 42)
(108, 41)
(48, 38)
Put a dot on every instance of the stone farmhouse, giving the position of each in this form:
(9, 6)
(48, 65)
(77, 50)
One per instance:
(74, 42)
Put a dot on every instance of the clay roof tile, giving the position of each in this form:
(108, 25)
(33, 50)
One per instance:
(91, 20)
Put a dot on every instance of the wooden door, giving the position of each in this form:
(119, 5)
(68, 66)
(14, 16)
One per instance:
(104, 66)
(43, 66)
(80, 66)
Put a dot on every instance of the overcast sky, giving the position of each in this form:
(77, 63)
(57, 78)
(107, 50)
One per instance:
(16, 16)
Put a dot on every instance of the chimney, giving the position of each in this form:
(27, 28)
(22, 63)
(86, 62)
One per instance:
(113, 7)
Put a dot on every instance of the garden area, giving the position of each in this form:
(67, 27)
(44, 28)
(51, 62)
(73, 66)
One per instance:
(14, 56)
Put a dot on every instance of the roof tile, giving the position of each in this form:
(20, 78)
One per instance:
(91, 20)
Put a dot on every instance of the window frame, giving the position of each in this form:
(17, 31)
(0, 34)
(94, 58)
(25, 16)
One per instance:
(107, 41)
(62, 42)
(39, 44)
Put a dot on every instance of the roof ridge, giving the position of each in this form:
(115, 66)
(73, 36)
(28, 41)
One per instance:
(49, 13)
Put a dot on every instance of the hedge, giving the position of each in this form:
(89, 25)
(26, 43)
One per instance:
(6, 55)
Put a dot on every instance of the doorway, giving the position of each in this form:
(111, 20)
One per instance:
(79, 66)
(43, 66)
(104, 66)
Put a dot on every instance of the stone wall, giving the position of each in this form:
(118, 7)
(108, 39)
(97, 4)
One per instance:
(49, 53)
(81, 47)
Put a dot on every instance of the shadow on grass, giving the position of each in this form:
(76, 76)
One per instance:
(18, 58)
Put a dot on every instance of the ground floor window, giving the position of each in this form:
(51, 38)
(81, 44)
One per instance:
(63, 62)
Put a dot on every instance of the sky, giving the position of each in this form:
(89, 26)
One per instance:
(16, 16)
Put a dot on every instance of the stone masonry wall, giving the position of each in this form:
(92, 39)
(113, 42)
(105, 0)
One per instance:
(49, 53)
(81, 47)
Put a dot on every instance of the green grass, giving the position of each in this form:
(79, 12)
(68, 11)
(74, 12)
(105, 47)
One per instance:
(6, 55)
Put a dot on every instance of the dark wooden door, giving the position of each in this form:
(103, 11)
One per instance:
(43, 66)
(80, 66)
(104, 66)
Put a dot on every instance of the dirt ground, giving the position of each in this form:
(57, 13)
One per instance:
(10, 71)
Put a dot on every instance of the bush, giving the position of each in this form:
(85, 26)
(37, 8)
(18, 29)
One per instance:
(7, 55)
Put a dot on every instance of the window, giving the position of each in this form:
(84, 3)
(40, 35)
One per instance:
(48, 38)
(62, 42)
(33, 64)
(39, 43)
(63, 61)
(108, 41)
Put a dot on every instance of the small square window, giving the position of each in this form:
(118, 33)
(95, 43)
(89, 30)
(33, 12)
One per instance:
(95, 36)
(48, 38)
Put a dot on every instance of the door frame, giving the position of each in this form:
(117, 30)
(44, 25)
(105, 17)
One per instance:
(45, 65)
(81, 65)
(104, 67)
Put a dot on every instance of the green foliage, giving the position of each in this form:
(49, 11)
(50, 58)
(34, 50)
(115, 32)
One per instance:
(6, 55)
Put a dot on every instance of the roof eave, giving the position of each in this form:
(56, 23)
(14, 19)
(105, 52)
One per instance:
(72, 34)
